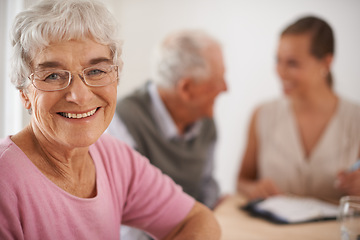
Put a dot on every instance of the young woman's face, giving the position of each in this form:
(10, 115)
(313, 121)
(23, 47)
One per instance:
(298, 70)
(77, 115)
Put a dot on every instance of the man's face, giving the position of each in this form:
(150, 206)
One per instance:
(206, 90)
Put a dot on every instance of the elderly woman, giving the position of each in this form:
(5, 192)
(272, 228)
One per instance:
(60, 177)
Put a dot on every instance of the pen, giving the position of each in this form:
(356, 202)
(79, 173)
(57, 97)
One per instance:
(355, 166)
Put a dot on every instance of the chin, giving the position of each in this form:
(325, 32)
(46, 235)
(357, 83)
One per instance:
(82, 139)
(287, 92)
(210, 114)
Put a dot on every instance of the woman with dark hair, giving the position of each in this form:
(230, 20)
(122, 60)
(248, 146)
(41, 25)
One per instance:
(303, 142)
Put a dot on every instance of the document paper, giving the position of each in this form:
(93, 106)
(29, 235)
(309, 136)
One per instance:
(295, 209)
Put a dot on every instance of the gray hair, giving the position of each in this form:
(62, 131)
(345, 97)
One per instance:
(55, 21)
(181, 55)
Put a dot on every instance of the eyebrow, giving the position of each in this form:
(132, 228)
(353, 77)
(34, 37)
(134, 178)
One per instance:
(48, 65)
(100, 60)
(54, 64)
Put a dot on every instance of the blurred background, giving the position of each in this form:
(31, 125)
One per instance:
(248, 30)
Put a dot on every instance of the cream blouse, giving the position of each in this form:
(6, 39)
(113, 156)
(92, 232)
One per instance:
(281, 156)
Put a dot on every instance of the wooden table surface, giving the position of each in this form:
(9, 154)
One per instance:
(237, 224)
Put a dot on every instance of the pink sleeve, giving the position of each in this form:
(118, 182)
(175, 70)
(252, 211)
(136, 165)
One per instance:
(150, 200)
(154, 202)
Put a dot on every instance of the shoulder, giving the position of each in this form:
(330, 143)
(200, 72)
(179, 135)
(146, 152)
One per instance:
(116, 155)
(10, 157)
(18, 173)
(349, 115)
(137, 98)
(267, 115)
(270, 109)
(110, 147)
(8, 163)
(273, 104)
(134, 107)
(350, 107)
(5, 145)
(145, 188)
(117, 161)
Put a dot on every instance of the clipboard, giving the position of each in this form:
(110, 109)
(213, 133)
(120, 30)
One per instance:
(285, 209)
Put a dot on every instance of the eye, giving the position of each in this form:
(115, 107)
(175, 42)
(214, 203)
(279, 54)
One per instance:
(54, 76)
(292, 63)
(288, 62)
(95, 72)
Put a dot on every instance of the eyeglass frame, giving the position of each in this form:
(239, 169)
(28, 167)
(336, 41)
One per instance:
(71, 76)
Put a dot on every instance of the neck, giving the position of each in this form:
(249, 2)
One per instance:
(52, 159)
(177, 110)
(318, 100)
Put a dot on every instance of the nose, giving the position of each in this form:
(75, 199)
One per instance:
(224, 87)
(78, 91)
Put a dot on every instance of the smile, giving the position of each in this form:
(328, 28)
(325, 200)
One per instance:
(78, 115)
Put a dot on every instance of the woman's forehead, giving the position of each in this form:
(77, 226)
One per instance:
(84, 51)
(295, 44)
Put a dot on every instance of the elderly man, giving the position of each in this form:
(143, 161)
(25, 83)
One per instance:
(170, 120)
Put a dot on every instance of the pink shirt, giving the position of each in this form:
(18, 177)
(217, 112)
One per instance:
(129, 191)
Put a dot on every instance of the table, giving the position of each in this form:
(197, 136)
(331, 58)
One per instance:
(237, 224)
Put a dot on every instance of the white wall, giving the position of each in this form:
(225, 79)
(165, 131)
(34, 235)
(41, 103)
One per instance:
(13, 115)
(248, 30)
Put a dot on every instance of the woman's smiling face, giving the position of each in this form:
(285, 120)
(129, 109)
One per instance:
(77, 115)
(298, 69)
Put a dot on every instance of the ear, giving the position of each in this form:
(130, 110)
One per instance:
(25, 99)
(184, 89)
(328, 61)
(326, 65)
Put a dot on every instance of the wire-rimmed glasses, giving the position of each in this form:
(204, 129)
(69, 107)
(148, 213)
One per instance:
(57, 79)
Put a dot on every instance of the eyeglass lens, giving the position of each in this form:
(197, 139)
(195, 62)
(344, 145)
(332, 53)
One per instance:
(53, 80)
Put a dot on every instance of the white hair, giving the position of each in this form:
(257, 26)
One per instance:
(55, 21)
(181, 55)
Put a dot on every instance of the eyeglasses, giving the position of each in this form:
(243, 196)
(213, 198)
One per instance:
(55, 80)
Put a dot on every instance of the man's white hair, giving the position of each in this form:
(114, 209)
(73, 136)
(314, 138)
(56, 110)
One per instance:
(181, 55)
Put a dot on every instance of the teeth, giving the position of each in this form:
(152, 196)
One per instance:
(79, 115)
